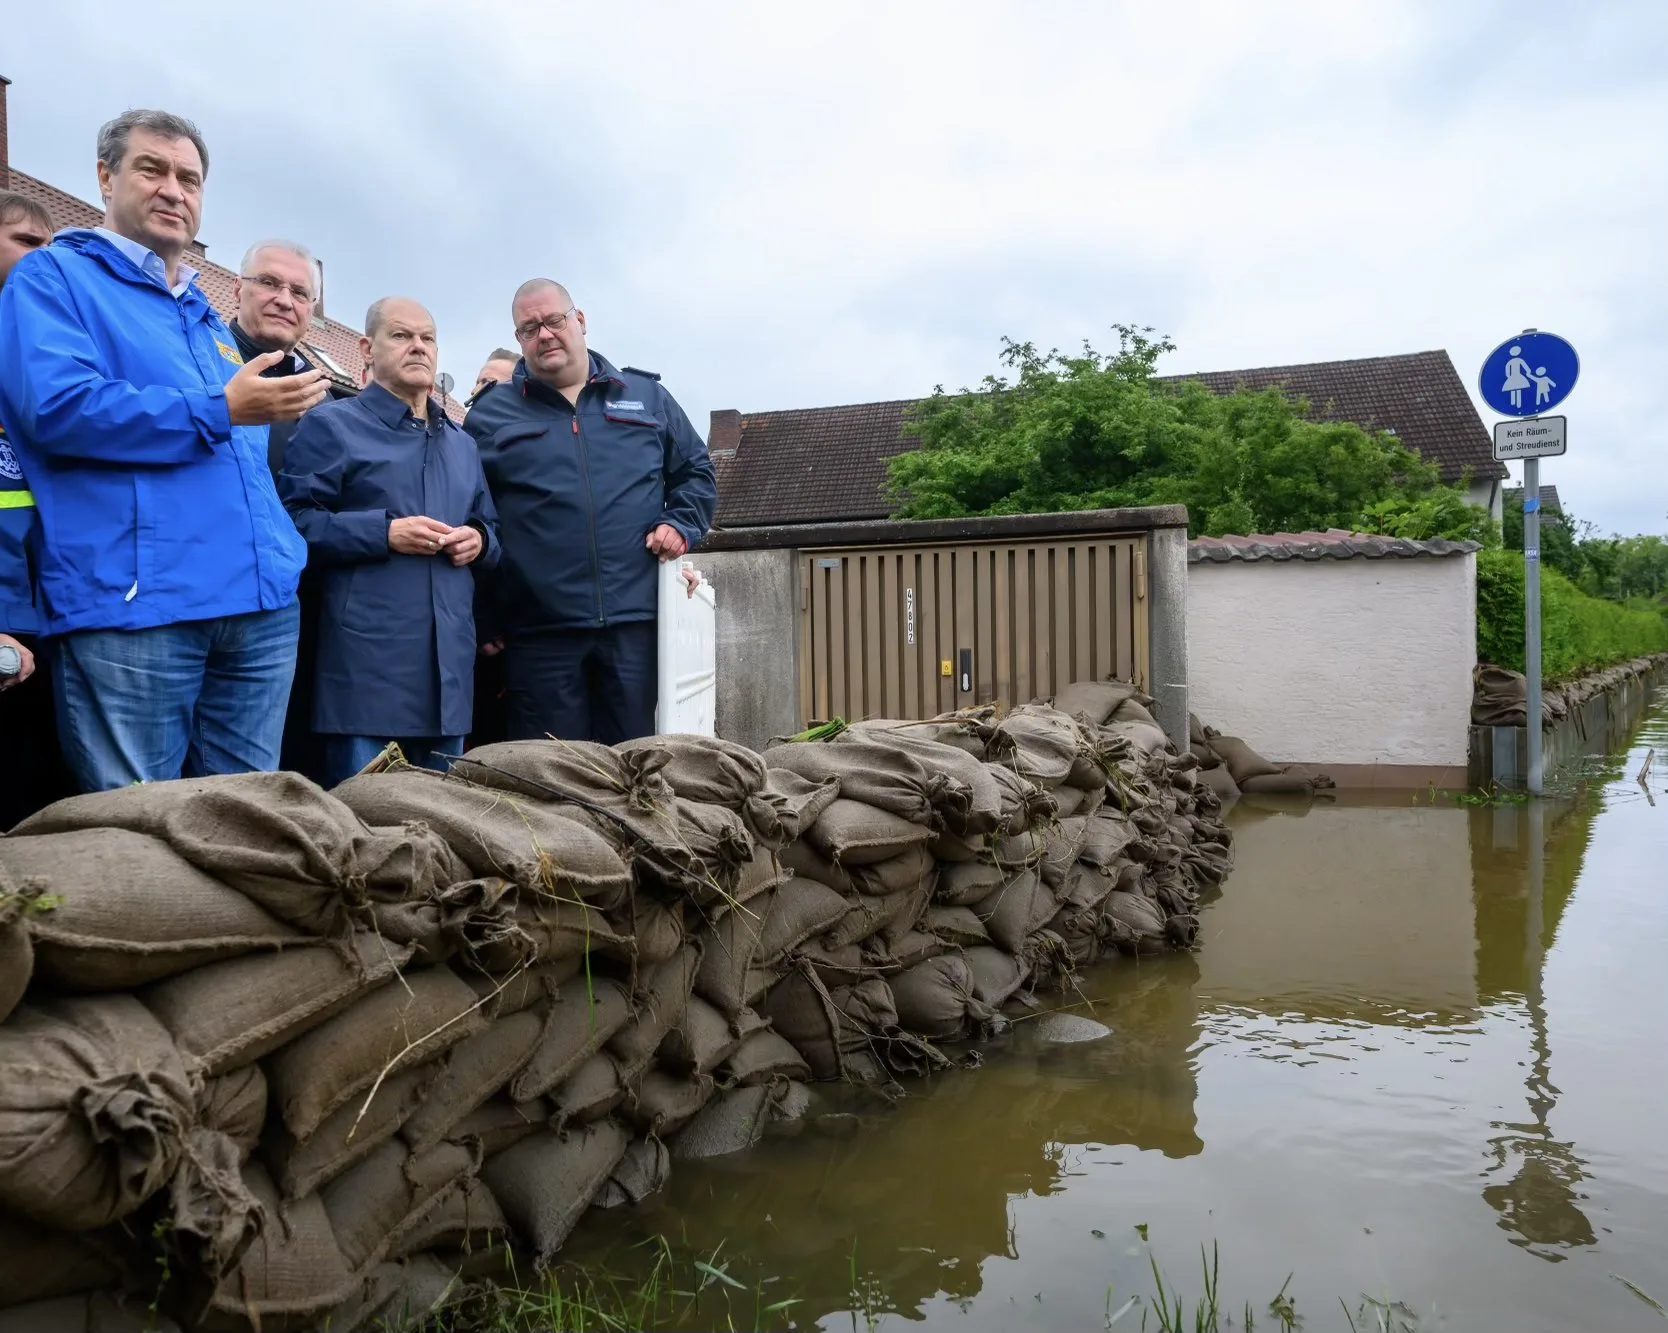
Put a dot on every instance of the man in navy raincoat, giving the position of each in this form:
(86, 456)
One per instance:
(390, 497)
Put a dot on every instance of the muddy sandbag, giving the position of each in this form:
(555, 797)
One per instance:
(235, 1105)
(731, 1122)
(593, 1090)
(396, 1297)
(38, 1263)
(786, 806)
(665, 1102)
(347, 1136)
(545, 1182)
(127, 909)
(464, 1219)
(100, 1312)
(227, 1015)
(854, 834)
(763, 1058)
(580, 1022)
(290, 846)
(642, 1172)
(522, 988)
(290, 1275)
(1282, 784)
(531, 843)
(967, 883)
(95, 1104)
(1094, 700)
(936, 1000)
(825, 1025)
(394, 1028)
(476, 1068)
(1136, 924)
(660, 1001)
(373, 1206)
(956, 926)
(705, 1037)
(1241, 760)
(1017, 910)
(499, 1122)
(997, 975)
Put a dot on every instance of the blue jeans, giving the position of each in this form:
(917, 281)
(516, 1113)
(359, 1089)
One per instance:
(193, 699)
(346, 755)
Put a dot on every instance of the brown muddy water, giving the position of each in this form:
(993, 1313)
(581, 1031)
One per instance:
(1411, 1059)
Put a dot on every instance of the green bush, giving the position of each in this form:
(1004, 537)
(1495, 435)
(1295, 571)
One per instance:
(1578, 633)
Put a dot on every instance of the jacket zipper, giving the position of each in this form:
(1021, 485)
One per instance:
(590, 512)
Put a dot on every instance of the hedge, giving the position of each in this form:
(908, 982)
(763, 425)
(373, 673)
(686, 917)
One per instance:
(1578, 633)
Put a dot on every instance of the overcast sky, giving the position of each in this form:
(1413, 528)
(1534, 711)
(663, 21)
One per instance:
(794, 205)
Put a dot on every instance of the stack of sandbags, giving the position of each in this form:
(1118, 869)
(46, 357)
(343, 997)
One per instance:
(1230, 767)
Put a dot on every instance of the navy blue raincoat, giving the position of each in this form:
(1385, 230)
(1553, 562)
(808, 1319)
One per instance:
(396, 654)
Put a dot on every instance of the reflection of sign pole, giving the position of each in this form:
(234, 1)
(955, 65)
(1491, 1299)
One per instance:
(1523, 377)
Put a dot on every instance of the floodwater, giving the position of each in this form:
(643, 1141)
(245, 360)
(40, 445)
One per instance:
(1412, 1060)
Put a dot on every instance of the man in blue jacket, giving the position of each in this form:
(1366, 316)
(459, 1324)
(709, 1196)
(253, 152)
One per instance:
(390, 497)
(168, 568)
(598, 476)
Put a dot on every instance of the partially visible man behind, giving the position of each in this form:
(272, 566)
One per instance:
(390, 497)
(598, 476)
(168, 568)
(499, 369)
(29, 756)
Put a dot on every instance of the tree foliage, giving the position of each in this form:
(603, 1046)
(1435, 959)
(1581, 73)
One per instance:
(1057, 432)
(1621, 569)
(1579, 632)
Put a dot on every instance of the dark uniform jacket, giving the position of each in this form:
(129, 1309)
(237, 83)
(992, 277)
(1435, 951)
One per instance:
(279, 432)
(578, 490)
(396, 649)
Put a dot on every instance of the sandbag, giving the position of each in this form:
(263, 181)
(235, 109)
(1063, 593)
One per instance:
(873, 773)
(1044, 742)
(866, 916)
(208, 1218)
(1094, 700)
(705, 1037)
(127, 909)
(1019, 908)
(654, 927)
(101, 1312)
(463, 1219)
(983, 810)
(524, 987)
(227, 1015)
(906, 950)
(909, 871)
(545, 1182)
(1069, 801)
(17, 954)
(580, 1022)
(853, 834)
(1105, 839)
(951, 848)
(705, 768)
(1136, 924)
(1086, 886)
(764, 870)
(620, 778)
(1241, 760)
(589, 1093)
(660, 1005)
(288, 845)
(796, 911)
(957, 926)
(968, 883)
(95, 1104)
(786, 806)
(347, 1136)
(235, 1105)
(665, 1102)
(500, 1122)
(803, 861)
(39, 1263)
(936, 999)
(1025, 804)
(1277, 784)
(397, 1297)
(997, 975)
(395, 1028)
(1219, 780)
(728, 948)
(476, 1068)
(548, 930)
(1061, 844)
(466, 918)
(731, 1122)
(373, 1206)
(643, 1171)
(762, 1058)
(825, 1025)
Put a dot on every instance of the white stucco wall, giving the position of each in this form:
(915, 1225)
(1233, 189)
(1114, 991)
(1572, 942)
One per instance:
(1336, 661)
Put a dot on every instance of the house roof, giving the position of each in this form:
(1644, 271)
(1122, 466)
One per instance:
(331, 346)
(828, 464)
(1333, 544)
(1550, 503)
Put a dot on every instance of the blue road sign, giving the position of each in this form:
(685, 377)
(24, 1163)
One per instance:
(1529, 374)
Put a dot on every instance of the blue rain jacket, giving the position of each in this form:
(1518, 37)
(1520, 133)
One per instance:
(154, 508)
(17, 542)
(396, 646)
(579, 490)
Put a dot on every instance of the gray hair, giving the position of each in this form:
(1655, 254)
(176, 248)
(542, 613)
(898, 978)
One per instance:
(112, 139)
(378, 312)
(295, 248)
(537, 285)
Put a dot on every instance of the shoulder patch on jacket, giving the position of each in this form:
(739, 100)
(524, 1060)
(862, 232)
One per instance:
(633, 370)
(230, 353)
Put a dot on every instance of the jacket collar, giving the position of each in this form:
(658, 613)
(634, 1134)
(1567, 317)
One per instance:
(602, 372)
(94, 243)
(251, 349)
(390, 411)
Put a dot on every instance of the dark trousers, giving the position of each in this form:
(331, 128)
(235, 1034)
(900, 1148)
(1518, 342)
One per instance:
(33, 773)
(583, 685)
(302, 751)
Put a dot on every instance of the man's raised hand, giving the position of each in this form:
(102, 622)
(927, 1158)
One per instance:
(253, 401)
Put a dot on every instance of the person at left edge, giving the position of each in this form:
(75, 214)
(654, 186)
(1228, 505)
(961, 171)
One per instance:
(168, 568)
(391, 499)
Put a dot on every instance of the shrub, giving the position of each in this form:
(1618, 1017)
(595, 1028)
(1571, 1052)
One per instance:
(1578, 633)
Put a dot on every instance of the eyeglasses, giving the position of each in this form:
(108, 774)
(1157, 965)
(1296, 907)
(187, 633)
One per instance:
(272, 286)
(533, 327)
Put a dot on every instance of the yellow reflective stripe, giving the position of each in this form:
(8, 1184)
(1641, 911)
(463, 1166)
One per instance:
(17, 499)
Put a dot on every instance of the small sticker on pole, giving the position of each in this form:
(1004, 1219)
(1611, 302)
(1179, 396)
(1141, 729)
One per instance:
(1530, 437)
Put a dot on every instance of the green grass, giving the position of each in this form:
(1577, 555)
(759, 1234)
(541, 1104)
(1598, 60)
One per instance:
(1579, 633)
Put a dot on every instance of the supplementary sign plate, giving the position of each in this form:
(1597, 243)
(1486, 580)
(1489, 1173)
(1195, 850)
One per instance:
(1532, 437)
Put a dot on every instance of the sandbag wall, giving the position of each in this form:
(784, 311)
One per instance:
(279, 1058)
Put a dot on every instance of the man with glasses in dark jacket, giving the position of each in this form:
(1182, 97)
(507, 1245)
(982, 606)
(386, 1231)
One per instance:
(598, 477)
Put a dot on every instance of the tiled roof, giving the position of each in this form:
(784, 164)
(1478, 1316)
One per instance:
(1334, 544)
(331, 346)
(828, 464)
(1550, 503)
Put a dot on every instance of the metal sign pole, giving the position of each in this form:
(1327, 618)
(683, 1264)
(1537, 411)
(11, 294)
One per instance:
(1532, 615)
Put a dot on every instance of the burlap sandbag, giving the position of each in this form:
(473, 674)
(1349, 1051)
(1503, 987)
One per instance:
(579, 772)
(951, 848)
(101, 1312)
(705, 1038)
(997, 975)
(786, 806)
(586, 1016)
(660, 1001)
(347, 1136)
(500, 1122)
(291, 847)
(1241, 760)
(1025, 804)
(545, 1182)
(1271, 784)
(17, 955)
(666, 1102)
(872, 772)
(1135, 923)
(209, 1218)
(227, 1015)
(511, 992)
(548, 930)
(867, 916)
(1143, 738)
(235, 1105)
(398, 1297)
(705, 768)
(643, 1171)
(853, 834)
(795, 912)
(731, 1122)
(762, 1058)
(957, 926)
(967, 883)
(1061, 844)
(394, 1028)
(1081, 931)
(463, 919)
(906, 950)
(936, 1000)
(127, 909)
(593, 1090)
(1094, 700)
(464, 1219)
(803, 861)
(531, 843)
(1044, 742)
(38, 1263)
(1106, 838)
(982, 812)
(474, 1070)
(95, 1104)
(1018, 909)
(372, 1206)
(826, 1025)
(1087, 886)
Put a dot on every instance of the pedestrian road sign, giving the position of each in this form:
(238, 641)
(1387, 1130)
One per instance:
(1533, 437)
(1529, 374)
